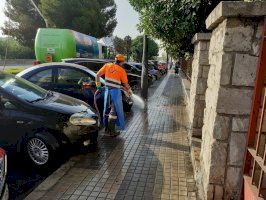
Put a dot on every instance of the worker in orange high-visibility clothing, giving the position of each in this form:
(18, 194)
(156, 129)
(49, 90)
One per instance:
(115, 80)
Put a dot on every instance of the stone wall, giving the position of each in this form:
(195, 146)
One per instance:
(200, 70)
(233, 57)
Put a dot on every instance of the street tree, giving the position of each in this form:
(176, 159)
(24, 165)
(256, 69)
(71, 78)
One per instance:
(128, 44)
(174, 22)
(14, 49)
(23, 21)
(92, 17)
(119, 44)
(137, 49)
(79, 15)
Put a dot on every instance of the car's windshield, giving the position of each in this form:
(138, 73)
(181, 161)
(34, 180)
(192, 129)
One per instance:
(21, 88)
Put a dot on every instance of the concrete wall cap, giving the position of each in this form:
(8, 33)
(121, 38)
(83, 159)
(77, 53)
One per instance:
(226, 9)
(201, 37)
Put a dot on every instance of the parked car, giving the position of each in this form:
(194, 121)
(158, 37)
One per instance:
(133, 73)
(154, 72)
(93, 64)
(151, 74)
(3, 171)
(37, 122)
(157, 66)
(66, 79)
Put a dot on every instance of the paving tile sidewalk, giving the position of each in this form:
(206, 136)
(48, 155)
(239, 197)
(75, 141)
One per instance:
(150, 160)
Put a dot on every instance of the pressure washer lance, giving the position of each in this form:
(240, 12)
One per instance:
(136, 99)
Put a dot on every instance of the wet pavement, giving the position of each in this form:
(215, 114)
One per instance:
(150, 160)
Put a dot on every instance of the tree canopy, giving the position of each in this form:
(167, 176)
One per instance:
(137, 48)
(14, 49)
(123, 46)
(174, 22)
(119, 45)
(23, 21)
(92, 17)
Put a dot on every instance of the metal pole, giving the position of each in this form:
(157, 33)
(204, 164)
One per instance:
(144, 74)
(45, 20)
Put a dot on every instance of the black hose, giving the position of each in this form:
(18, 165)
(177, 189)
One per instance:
(95, 104)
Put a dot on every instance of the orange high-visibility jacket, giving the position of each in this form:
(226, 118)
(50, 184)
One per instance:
(115, 75)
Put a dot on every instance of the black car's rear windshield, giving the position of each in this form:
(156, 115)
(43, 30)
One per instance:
(21, 88)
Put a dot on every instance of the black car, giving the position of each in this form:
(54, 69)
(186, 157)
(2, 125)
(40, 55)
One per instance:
(37, 122)
(138, 66)
(66, 78)
(3, 171)
(93, 64)
(133, 73)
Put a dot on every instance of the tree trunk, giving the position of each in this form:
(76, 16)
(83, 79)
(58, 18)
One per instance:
(167, 60)
(144, 74)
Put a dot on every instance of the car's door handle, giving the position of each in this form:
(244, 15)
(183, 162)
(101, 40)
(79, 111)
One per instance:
(20, 122)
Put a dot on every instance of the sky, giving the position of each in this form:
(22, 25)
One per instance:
(126, 17)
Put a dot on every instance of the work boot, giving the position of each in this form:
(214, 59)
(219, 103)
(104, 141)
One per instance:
(111, 128)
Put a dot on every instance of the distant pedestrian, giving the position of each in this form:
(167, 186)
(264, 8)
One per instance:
(177, 67)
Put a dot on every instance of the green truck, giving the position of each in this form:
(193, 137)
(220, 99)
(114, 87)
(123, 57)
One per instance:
(53, 45)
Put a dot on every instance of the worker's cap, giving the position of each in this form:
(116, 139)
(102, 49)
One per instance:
(120, 58)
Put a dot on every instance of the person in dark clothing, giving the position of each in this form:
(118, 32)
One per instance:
(177, 67)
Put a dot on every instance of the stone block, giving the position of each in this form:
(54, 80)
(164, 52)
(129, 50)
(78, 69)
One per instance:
(209, 191)
(208, 45)
(204, 58)
(233, 183)
(245, 68)
(237, 148)
(221, 127)
(257, 40)
(205, 71)
(202, 46)
(196, 132)
(231, 9)
(256, 47)
(217, 162)
(199, 109)
(201, 37)
(217, 174)
(238, 39)
(240, 124)
(201, 86)
(202, 97)
(217, 39)
(194, 121)
(218, 192)
(218, 152)
(196, 49)
(200, 122)
(234, 101)
(226, 68)
(259, 30)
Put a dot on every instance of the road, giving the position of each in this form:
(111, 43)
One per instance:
(23, 177)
